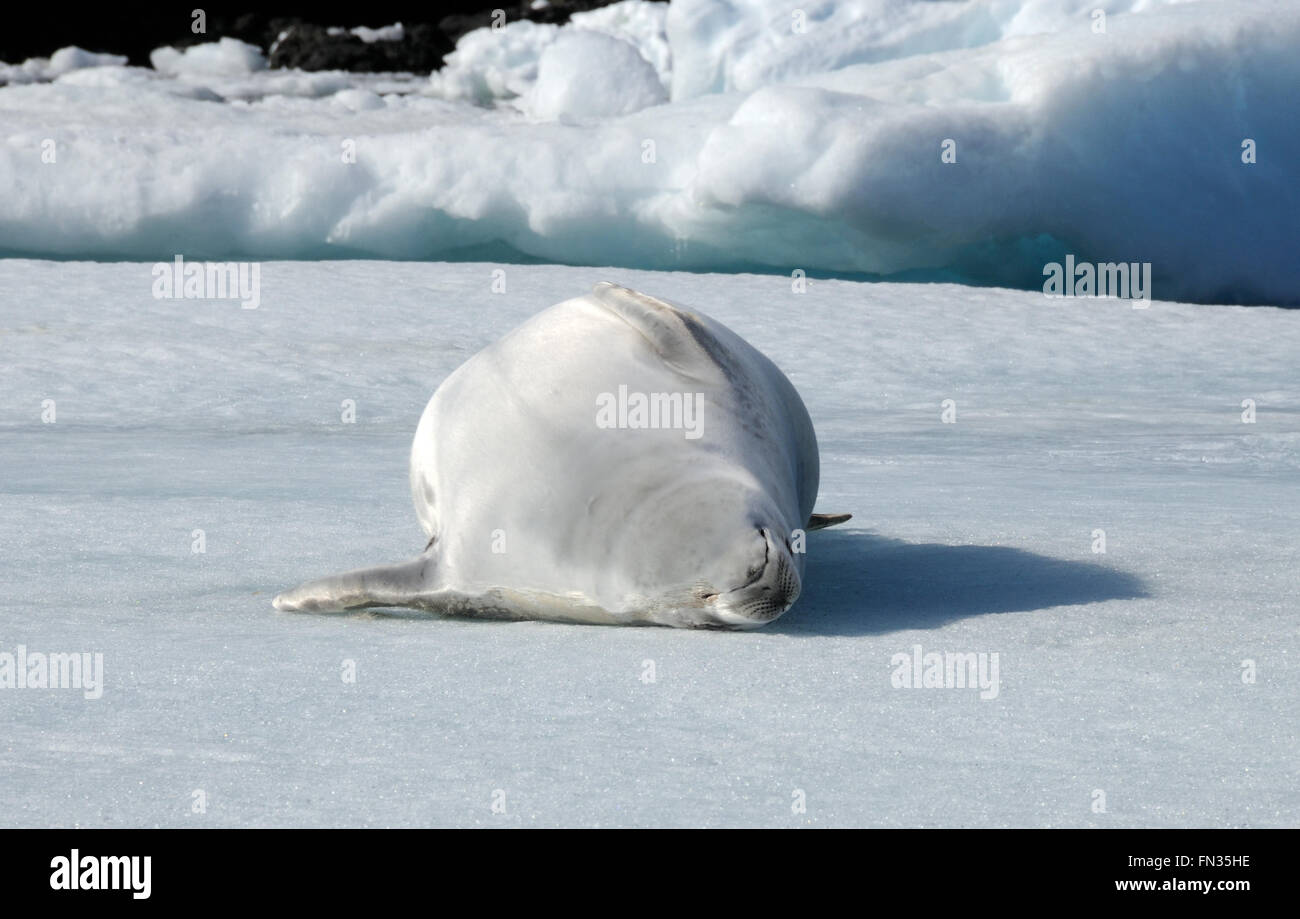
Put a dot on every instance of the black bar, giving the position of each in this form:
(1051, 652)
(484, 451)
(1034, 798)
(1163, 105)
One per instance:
(329, 867)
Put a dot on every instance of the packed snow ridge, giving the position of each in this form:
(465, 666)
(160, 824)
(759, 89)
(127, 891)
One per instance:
(974, 140)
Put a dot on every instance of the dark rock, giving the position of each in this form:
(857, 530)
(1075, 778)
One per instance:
(120, 28)
(311, 47)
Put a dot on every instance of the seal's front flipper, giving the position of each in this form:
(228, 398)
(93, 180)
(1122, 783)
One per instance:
(822, 521)
(386, 585)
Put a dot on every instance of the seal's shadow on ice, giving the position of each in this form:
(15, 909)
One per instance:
(864, 584)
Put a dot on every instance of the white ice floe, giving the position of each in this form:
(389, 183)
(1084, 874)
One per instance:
(973, 140)
(586, 74)
(227, 57)
(494, 64)
(741, 45)
(501, 64)
(65, 60)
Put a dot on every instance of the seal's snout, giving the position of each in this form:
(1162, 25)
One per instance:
(770, 587)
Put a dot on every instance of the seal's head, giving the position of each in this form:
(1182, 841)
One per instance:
(726, 545)
(769, 586)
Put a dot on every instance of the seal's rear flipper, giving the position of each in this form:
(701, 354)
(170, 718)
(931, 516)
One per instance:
(385, 585)
(822, 521)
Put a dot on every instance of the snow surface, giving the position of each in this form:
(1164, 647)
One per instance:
(1119, 672)
(815, 147)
